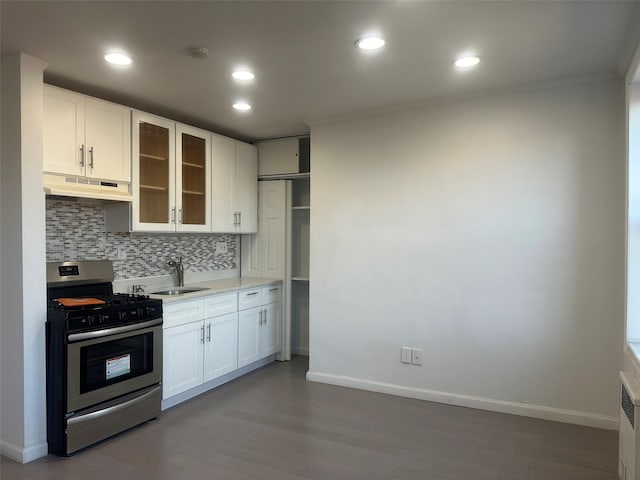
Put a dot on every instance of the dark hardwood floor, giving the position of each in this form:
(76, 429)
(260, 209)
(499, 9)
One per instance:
(272, 424)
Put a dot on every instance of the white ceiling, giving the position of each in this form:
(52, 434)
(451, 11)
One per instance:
(303, 55)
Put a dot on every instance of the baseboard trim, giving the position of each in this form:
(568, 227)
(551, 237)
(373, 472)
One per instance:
(501, 406)
(23, 454)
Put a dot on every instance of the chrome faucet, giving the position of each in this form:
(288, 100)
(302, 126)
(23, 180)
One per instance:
(179, 270)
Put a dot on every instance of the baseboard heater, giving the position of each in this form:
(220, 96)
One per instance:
(628, 455)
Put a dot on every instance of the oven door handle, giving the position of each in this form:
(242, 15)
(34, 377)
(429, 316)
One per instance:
(75, 337)
(112, 409)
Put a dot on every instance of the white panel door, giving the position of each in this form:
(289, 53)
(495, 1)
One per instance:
(271, 324)
(251, 246)
(249, 342)
(273, 228)
(246, 194)
(63, 132)
(108, 140)
(221, 345)
(182, 365)
(223, 213)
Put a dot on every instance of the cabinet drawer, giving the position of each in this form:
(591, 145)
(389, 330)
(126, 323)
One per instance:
(249, 298)
(271, 294)
(175, 314)
(220, 305)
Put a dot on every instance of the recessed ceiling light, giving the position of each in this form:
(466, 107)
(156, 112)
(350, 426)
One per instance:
(242, 106)
(243, 74)
(370, 43)
(117, 58)
(467, 61)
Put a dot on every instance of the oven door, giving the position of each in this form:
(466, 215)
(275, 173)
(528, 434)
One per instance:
(105, 364)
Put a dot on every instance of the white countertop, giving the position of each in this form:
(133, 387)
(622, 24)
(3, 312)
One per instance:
(214, 287)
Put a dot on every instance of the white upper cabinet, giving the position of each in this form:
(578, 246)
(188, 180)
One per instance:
(108, 139)
(153, 173)
(234, 186)
(193, 179)
(171, 176)
(247, 187)
(223, 164)
(84, 136)
(283, 156)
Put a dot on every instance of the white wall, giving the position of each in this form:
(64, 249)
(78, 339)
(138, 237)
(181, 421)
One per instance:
(23, 295)
(488, 232)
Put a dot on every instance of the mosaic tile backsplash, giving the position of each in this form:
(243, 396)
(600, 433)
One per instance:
(76, 231)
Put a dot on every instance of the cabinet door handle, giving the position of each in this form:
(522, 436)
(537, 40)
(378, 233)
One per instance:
(173, 215)
(180, 216)
(251, 294)
(265, 317)
(202, 334)
(82, 155)
(235, 219)
(208, 332)
(91, 158)
(274, 289)
(239, 218)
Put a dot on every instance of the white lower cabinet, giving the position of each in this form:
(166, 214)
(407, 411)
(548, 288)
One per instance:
(271, 324)
(221, 346)
(213, 336)
(249, 342)
(198, 349)
(259, 326)
(182, 358)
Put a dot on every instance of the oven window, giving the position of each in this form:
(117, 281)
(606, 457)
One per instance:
(114, 361)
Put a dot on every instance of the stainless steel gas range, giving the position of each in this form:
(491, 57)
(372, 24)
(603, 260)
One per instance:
(104, 356)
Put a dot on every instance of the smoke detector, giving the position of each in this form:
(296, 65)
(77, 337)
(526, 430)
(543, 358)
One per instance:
(199, 52)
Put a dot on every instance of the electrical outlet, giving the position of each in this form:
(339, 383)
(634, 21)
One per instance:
(121, 253)
(405, 355)
(221, 247)
(416, 356)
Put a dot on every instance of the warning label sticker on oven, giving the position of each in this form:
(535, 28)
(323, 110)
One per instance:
(117, 366)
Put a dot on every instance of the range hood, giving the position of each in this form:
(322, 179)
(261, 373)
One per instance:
(83, 187)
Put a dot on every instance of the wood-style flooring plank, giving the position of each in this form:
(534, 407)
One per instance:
(273, 424)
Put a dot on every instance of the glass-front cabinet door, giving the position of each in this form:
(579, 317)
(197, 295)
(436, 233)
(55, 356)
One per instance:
(153, 148)
(193, 179)
(171, 176)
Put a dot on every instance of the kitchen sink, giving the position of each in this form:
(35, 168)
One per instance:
(178, 291)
